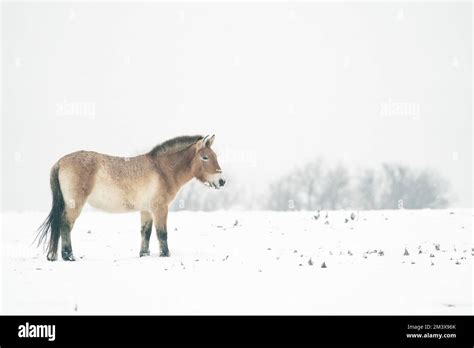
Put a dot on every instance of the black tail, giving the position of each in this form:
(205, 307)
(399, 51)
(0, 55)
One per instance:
(52, 224)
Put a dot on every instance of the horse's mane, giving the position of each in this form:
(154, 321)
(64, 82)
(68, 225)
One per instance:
(175, 144)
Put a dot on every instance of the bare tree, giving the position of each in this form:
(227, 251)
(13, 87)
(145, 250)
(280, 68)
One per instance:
(429, 191)
(392, 186)
(283, 193)
(311, 178)
(400, 186)
(366, 190)
(413, 189)
(311, 187)
(335, 193)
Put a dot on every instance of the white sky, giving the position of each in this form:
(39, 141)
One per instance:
(278, 83)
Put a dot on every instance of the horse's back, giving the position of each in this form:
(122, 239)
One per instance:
(79, 160)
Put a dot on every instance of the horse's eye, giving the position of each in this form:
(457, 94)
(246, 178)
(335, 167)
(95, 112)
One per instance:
(204, 158)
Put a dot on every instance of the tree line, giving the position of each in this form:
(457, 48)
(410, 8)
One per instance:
(320, 186)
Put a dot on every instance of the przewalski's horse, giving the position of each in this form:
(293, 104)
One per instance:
(146, 183)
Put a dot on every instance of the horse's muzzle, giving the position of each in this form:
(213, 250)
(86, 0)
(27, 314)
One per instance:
(217, 181)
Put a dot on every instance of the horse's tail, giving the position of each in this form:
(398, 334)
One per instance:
(52, 224)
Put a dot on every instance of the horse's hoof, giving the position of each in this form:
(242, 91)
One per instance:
(144, 253)
(52, 257)
(68, 257)
(165, 253)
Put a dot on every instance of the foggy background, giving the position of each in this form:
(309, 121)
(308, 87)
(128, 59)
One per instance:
(314, 105)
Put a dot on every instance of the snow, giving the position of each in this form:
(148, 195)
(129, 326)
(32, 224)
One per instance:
(229, 262)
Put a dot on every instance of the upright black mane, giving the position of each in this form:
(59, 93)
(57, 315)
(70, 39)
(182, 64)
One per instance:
(175, 144)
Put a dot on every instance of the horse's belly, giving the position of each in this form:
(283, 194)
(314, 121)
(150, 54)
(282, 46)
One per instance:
(110, 199)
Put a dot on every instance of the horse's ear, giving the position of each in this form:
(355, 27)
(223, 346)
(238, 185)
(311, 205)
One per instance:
(201, 143)
(209, 140)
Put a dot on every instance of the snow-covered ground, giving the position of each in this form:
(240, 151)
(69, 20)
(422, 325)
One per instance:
(247, 263)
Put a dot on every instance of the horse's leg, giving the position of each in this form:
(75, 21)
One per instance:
(147, 223)
(71, 213)
(159, 219)
(76, 177)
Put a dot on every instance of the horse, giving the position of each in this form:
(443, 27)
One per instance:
(147, 183)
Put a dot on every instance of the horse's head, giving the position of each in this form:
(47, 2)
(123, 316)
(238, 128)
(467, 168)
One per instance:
(205, 166)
